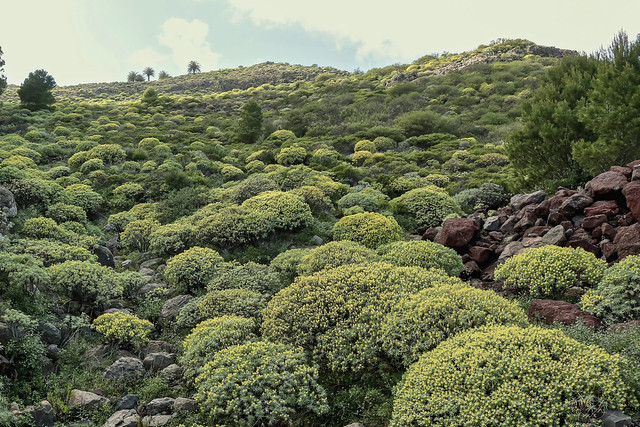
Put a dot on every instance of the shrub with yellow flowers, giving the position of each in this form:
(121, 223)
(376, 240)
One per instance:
(422, 253)
(336, 314)
(510, 376)
(370, 229)
(259, 383)
(550, 270)
(123, 328)
(211, 336)
(421, 321)
(426, 206)
(193, 268)
(335, 254)
(239, 302)
(617, 296)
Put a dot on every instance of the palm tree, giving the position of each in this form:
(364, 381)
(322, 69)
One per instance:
(163, 75)
(193, 67)
(149, 72)
(131, 77)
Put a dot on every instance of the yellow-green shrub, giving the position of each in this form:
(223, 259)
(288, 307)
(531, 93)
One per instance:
(427, 206)
(251, 276)
(422, 253)
(137, 234)
(291, 155)
(62, 212)
(510, 376)
(239, 302)
(365, 145)
(359, 157)
(172, 239)
(550, 270)
(82, 195)
(192, 269)
(123, 328)
(370, 229)
(286, 263)
(41, 227)
(259, 383)
(335, 254)
(421, 321)
(277, 210)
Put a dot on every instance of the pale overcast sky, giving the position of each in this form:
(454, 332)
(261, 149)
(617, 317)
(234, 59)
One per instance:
(81, 41)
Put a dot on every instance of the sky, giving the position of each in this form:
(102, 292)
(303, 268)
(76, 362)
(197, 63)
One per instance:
(84, 41)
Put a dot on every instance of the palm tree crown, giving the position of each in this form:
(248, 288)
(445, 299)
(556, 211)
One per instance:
(193, 67)
(149, 72)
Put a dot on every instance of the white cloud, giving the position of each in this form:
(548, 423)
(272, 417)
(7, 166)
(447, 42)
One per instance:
(188, 41)
(145, 57)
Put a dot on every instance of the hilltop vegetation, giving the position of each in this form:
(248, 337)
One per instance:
(183, 221)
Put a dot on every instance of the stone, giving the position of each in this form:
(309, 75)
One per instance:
(631, 193)
(124, 367)
(151, 263)
(625, 325)
(595, 221)
(527, 220)
(85, 400)
(536, 231)
(112, 245)
(556, 218)
(49, 333)
(160, 406)
(575, 204)
(608, 231)
(605, 207)
(431, 233)
(8, 205)
(158, 346)
(608, 249)
(624, 170)
(471, 269)
(627, 240)
(521, 200)
(185, 405)
(97, 353)
(317, 240)
(633, 164)
(155, 362)
(457, 232)
(146, 288)
(583, 240)
(606, 183)
(554, 236)
(543, 208)
(6, 333)
(147, 271)
(173, 374)
(157, 420)
(171, 307)
(635, 175)
(509, 226)
(53, 351)
(105, 256)
(43, 415)
(551, 311)
(128, 264)
(492, 223)
(513, 248)
(480, 254)
(130, 401)
(616, 419)
(574, 291)
(123, 418)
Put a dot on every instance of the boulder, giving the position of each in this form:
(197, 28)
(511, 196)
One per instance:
(624, 170)
(606, 183)
(556, 218)
(551, 311)
(160, 406)
(431, 233)
(625, 325)
(595, 221)
(492, 223)
(627, 241)
(49, 333)
(575, 204)
(152, 263)
(604, 207)
(85, 400)
(157, 420)
(8, 206)
(608, 249)
(185, 405)
(128, 264)
(555, 236)
(105, 256)
(635, 176)
(130, 401)
(171, 307)
(513, 248)
(480, 254)
(124, 367)
(173, 374)
(521, 200)
(608, 231)
(612, 418)
(43, 414)
(147, 271)
(631, 193)
(148, 287)
(123, 418)
(457, 232)
(633, 164)
(583, 240)
(158, 346)
(97, 353)
(155, 362)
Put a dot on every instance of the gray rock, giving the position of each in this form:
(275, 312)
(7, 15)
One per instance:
(521, 200)
(146, 271)
(43, 414)
(615, 419)
(184, 404)
(160, 406)
(85, 400)
(157, 420)
(355, 425)
(105, 256)
(49, 333)
(124, 367)
(130, 401)
(491, 224)
(575, 204)
(112, 245)
(128, 264)
(555, 236)
(172, 374)
(317, 240)
(97, 353)
(123, 418)
(635, 176)
(8, 205)
(513, 248)
(6, 333)
(171, 308)
(110, 228)
(155, 362)
(158, 346)
(151, 263)
(144, 289)
(52, 351)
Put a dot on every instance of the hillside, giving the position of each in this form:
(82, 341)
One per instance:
(281, 244)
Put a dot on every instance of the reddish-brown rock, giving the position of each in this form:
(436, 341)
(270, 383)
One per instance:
(556, 218)
(604, 207)
(480, 254)
(575, 204)
(537, 230)
(606, 183)
(633, 164)
(625, 325)
(591, 222)
(430, 234)
(583, 240)
(609, 251)
(543, 208)
(627, 240)
(551, 311)
(456, 232)
(623, 170)
(631, 193)
(608, 231)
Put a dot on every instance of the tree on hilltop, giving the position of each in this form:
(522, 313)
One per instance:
(163, 75)
(35, 91)
(3, 79)
(134, 76)
(149, 72)
(193, 67)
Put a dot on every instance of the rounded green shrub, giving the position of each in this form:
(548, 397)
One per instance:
(421, 321)
(364, 145)
(427, 206)
(359, 157)
(238, 302)
(192, 269)
(550, 270)
(86, 281)
(136, 236)
(617, 296)
(252, 186)
(487, 196)
(335, 254)
(422, 253)
(314, 197)
(336, 314)
(82, 195)
(171, 239)
(62, 212)
(510, 376)
(211, 336)
(91, 165)
(369, 199)
(286, 263)
(368, 228)
(273, 210)
(293, 155)
(41, 227)
(251, 276)
(259, 383)
(123, 328)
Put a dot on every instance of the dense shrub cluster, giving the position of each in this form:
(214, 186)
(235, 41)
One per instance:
(427, 206)
(369, 229)
(422, 253)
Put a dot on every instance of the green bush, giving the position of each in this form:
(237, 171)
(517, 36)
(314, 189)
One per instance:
(427, 206)
(335, 254)
(136, 236)
(286, 263)
(293, 155)
(336, 314)
(369, 229)
(91, 165)
(617, 296)
(51, 251)
(251, 276)
(238, 302)
(62, 212)
(314, 197)
(369, 199)
(421, 321)
(41, 227)
(82, 195)
(259, 383)
(172, 239)
(423, 254)
(365, 145)
(211, 336)
(252, 186)
(192, 269)
(487, 196)
(108, 153)
(123, 328)
(277, 210)
(510, 376)
(550, 270)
